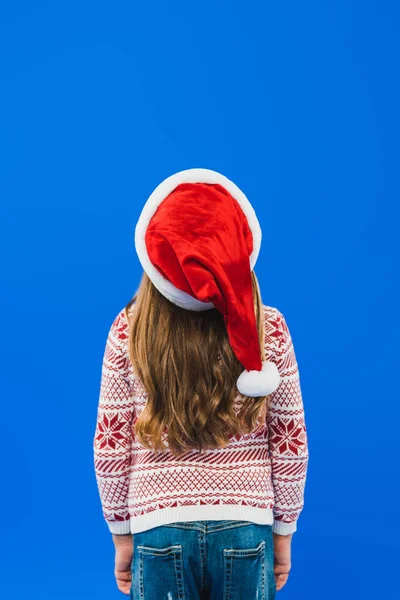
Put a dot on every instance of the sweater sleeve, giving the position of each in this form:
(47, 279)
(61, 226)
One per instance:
(112, 439)
(287, 434)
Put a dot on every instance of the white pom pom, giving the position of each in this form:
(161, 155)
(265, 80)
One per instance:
(259, 383)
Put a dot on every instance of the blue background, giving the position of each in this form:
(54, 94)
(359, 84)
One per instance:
(298, 103)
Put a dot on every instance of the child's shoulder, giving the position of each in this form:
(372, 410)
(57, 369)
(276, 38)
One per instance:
(120, 324)
(276, 329)
(272, 313)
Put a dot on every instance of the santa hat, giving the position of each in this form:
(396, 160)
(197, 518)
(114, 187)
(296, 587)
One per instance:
(198, 239)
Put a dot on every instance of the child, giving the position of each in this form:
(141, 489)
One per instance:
(200, 448)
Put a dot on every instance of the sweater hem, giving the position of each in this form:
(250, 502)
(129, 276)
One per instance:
(200, 512)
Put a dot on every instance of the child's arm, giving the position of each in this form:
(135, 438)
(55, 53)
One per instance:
(112, 439)
(288, 441)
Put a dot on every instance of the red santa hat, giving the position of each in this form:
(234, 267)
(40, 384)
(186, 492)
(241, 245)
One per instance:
(198, 239)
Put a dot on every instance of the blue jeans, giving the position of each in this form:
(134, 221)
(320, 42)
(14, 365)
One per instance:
(204, 560)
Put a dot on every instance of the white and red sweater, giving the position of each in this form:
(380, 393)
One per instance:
(258, 477)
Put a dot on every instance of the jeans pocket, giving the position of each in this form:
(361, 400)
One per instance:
(160, 573)
(245, 573)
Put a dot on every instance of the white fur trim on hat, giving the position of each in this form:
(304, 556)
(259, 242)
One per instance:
(163, 285)
(259, 383)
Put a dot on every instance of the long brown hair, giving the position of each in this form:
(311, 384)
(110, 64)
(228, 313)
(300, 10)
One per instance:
(188, 368)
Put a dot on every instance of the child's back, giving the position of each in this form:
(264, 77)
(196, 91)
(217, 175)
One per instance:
(258, 477)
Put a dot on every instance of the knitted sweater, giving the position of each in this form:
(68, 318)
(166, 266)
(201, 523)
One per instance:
(259, 477)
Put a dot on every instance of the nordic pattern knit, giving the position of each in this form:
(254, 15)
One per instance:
(258, 477)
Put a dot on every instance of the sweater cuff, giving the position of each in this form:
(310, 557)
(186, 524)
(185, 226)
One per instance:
(282, 528)
(119, 527)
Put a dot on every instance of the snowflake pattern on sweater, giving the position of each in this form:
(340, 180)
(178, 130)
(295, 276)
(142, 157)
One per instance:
(264, 470)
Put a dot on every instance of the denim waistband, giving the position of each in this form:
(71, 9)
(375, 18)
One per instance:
(210, 525)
